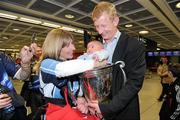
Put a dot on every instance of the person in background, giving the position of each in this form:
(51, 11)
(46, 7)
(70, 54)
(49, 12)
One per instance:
(57, 70)
(10, 69)
(175, 70)
(124, 103)
(30, 90)
(170, 109)
(162, 71)
(95, 50)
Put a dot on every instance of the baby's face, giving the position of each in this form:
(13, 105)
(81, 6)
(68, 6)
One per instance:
(93, 47)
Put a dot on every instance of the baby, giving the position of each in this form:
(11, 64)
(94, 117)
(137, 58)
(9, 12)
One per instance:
(95, 50)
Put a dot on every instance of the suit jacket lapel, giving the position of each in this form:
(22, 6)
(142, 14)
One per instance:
(120, 49)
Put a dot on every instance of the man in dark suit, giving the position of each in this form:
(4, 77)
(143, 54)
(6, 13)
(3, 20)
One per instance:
(124, 104)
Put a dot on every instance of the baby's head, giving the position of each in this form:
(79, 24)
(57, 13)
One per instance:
(94, 46)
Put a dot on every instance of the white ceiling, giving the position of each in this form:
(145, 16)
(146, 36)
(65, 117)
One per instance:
(159, 17)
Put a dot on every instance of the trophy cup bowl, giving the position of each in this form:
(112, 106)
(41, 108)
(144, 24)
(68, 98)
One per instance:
(96, 83)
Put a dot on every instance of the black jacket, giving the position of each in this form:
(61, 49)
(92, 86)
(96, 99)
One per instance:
(125, 104)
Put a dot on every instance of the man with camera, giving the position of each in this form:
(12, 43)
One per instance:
(11, 105)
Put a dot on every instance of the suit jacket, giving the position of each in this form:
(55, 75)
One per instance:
(124, 104)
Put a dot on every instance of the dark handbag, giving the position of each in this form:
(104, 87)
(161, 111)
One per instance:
(55, 112)
(17, 100)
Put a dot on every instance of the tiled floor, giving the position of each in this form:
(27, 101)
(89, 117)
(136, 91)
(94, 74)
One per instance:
(148, 97)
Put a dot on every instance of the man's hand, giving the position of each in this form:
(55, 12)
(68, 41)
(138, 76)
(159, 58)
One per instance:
(82, 105)
(5, 100)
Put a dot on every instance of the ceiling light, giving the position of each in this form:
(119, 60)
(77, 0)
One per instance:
(143, 32)
(178, 5)
(16, 29)
(69, 16)
(68, 28)
(51, 25)
(8, 16)
(30, 20)
(79, 31)
(72, 29)
(158, 49)
(5, 38)
(159, 44)
(80, 42)
(128, 25)
(80, 45)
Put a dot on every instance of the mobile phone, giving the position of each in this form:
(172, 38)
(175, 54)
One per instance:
(32, 40)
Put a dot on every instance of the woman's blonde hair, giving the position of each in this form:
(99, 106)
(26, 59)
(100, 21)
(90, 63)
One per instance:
(55, 40)
(102, 7)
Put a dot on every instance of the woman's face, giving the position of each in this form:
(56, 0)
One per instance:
(67, 51)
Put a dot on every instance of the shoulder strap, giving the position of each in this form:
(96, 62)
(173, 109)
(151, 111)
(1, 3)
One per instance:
(66, 95)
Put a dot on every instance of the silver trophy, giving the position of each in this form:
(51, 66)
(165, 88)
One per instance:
(96, 83)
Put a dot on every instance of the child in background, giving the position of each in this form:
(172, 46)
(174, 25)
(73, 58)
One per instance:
(95, 50)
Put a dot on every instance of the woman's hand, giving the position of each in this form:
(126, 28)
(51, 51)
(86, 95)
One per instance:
(5, 100)
(82, 105)
(94, 105)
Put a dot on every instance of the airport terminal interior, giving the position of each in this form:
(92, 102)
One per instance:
(154, 22)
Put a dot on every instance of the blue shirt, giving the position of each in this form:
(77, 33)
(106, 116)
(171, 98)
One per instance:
(51, 85)
(110, 46)
(8, 68)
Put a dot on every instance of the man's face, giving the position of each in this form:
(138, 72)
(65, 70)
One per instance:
(106, 27)
(164, 60)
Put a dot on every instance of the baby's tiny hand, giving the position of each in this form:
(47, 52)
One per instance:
(100, 63)
(96, 57)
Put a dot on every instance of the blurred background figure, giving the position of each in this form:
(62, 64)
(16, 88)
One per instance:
(162, 71)
(170, 109)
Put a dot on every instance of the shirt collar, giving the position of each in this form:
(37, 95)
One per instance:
(115, 38)
(117, 35)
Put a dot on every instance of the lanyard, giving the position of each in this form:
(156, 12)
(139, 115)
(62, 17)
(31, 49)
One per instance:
(72, 89)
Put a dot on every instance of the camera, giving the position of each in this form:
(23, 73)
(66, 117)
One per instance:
(6, 112)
